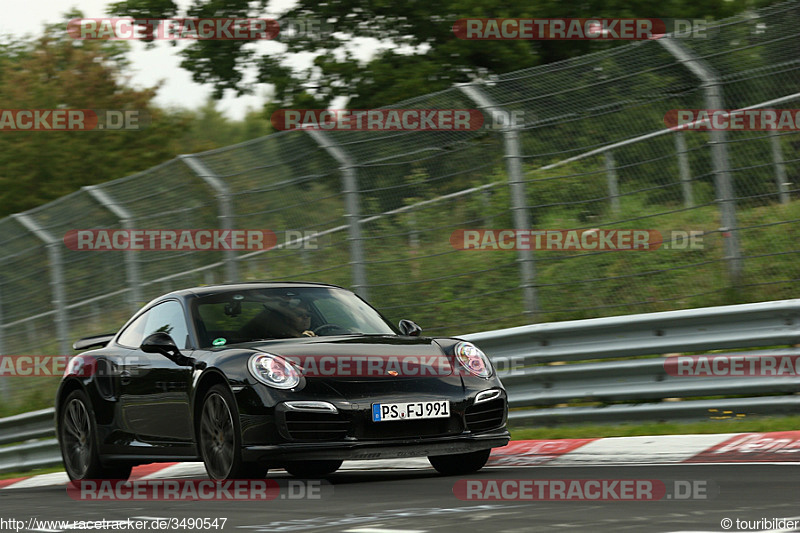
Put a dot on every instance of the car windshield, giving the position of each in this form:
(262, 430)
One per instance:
(280, 313)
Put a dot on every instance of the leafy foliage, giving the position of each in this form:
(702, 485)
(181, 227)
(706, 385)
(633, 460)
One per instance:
(416, 51)
(54, 71)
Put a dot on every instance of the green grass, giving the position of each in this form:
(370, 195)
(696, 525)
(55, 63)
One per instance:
(34, 472)
(742, 425)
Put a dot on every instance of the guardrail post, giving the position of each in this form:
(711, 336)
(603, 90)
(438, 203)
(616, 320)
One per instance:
(56, 278)
(519, 207)
(131, 262)
(780, 168)
(712, 88)
(224, 205)
(683, 168)
(613, 183)
(352, 208)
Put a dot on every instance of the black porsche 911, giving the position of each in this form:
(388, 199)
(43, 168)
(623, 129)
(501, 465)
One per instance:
(252, 376)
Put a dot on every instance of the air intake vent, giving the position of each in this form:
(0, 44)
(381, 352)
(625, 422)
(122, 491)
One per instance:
(486, 415)
(301, 425)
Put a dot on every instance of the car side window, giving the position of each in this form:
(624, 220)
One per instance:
(133, 335)
(169, 318)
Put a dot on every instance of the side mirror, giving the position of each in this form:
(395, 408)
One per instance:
(409, 328)
(160, 342)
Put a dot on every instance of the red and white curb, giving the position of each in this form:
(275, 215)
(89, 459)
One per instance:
(777, 447)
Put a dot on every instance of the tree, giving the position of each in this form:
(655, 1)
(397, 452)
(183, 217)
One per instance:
(55, 71)
(207, 128)
(418, 51)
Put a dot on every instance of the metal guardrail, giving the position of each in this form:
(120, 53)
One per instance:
(33, 438)
(30, 455)
(549, 368)
(32, 425)
(608, 369)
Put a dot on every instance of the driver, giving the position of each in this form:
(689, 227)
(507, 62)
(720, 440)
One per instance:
(299, 320)
(290, 317)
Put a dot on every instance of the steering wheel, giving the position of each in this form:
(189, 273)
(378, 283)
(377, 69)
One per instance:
(323, 327)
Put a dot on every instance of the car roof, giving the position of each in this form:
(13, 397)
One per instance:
(226, 287)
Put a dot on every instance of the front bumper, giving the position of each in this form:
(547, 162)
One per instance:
(377, 449)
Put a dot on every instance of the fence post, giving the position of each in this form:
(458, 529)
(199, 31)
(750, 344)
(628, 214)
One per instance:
(683, 168)
(3, 383)
(486, 202)
(131, 262)
(613, 183)
(712, 88)
(780, 169)
(224, 205)
(519, 207)
(56, 278)
(352, 209)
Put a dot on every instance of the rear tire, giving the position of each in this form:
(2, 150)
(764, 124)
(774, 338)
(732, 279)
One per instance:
(78, 442)
(312, 469)
(220, 438)
(460, 464)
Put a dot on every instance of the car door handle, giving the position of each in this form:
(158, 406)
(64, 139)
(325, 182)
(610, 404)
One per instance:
(124, 377)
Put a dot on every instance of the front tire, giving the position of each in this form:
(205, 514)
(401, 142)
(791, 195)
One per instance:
(220, 438)
(461, 463)
(312, 469)
(78, 442)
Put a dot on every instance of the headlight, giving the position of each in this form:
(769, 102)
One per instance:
(273, 371)
(473, 359)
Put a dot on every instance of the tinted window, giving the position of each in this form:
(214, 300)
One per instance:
(278, 313)
(134, 333)
(167, 317)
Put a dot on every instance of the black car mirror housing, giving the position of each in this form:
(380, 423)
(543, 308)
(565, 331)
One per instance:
(409, 328)
(161, 343)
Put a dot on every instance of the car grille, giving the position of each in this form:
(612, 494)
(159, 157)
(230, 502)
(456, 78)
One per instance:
(487, 415)
(399, 429)
(307, 426)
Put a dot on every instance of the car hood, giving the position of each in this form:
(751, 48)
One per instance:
(363, 357)
(370, 366)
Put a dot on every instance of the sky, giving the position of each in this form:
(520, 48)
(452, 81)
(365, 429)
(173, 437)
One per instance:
(28, 17)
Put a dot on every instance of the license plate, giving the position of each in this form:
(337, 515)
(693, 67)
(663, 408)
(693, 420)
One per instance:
(387, 412)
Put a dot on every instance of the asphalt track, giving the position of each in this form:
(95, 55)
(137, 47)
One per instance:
(421, 500)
